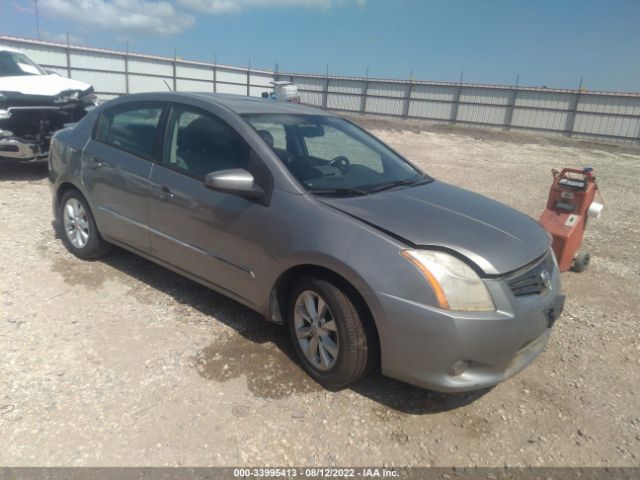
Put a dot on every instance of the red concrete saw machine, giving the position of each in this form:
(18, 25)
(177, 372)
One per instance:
(571, 202)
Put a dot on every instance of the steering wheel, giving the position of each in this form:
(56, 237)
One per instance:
(342, 163)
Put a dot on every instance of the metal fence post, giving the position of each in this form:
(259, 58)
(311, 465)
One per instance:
(325, 92)
(215, 73)
(126, 69)
(68, 57)
(456, 105)
(574, 111)
(249, 79)
(456, 100)
(573, 114)
(407, 99)
(510, 108)
(363, 102)
(175, 79)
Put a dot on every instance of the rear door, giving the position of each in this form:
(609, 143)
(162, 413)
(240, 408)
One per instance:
(212, 235)
(116, 168)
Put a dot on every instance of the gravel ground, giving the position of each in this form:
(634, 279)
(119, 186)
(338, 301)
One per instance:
(120, 362)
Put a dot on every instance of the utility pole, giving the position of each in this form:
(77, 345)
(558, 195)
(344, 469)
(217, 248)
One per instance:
(37, 19)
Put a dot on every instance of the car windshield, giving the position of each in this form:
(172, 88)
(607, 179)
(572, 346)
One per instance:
(330, 155)
(14, 64)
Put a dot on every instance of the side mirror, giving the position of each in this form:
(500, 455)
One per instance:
(236, 181)
(51, 72)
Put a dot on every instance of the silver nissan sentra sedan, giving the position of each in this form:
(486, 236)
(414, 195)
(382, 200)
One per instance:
(311, 221)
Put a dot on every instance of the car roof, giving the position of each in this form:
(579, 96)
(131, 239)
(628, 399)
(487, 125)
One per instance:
(242, 105)
(239, 104)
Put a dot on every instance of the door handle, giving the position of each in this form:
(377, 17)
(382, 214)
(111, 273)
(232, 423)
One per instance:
(162, 191)
(95, 163)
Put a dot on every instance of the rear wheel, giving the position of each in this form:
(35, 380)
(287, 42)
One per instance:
(78, 228)
(332, 339)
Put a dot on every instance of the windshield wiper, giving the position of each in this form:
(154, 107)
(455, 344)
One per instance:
(339, 191)
(413, 182)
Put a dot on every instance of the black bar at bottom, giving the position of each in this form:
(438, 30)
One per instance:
(432, 473)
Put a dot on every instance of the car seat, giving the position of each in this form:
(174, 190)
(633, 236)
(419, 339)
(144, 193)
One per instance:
(205, 146)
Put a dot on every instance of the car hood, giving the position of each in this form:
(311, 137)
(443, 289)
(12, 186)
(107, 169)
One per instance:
(497, 238)
(46, 85)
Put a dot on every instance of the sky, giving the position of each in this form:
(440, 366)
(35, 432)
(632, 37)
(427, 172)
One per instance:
(549, 43)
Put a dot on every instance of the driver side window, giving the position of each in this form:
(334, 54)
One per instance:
(335, 143)
(198, 143)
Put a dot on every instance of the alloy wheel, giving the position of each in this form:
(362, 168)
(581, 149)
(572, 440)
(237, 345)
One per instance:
(76, 223)
(316, 330)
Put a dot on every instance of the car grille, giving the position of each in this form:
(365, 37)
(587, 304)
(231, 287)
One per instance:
(533, 280)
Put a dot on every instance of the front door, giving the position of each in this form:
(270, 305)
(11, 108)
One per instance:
(212, 235)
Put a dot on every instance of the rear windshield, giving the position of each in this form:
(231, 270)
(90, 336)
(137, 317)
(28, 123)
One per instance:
(331, 155)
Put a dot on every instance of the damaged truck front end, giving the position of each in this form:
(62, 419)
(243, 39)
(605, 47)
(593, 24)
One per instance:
(27, 122)
(34, 104)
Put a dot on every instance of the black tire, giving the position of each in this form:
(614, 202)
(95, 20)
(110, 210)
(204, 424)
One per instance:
(357, 340)
(95, 245)
(581, 262)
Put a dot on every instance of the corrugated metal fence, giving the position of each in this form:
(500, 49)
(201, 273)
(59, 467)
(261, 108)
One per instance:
(607, 115)
(114, 73)
(614, 116)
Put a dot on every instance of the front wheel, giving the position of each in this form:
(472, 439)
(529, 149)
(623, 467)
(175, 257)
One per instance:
(581, 262)
(334, 342)
(78, 228)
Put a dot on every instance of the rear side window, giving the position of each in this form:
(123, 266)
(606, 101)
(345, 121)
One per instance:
(132, 128)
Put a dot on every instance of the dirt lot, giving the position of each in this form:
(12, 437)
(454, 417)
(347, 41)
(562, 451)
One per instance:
(120, 362)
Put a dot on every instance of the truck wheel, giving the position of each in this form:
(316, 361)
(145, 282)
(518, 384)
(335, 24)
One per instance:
(581, 262)
(332, 340)
(78, 228)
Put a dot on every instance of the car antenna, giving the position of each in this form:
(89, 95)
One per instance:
(165, 82)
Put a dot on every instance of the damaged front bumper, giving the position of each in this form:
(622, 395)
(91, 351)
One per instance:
(12, 147)
(26, 127)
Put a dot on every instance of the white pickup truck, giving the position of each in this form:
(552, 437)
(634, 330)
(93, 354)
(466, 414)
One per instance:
(34, 103)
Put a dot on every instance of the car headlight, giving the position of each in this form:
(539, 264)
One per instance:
(455, 284)
(90, 99)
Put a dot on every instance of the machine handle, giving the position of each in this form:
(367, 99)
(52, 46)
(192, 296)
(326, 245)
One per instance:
(585, 172)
